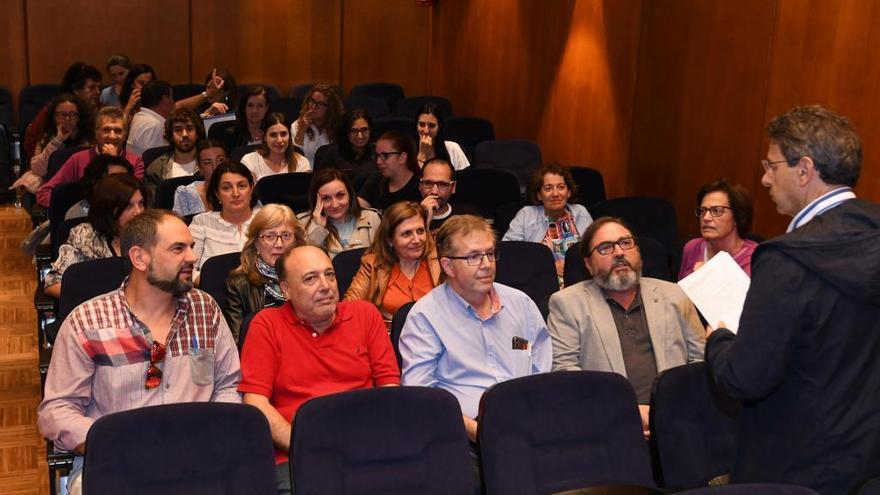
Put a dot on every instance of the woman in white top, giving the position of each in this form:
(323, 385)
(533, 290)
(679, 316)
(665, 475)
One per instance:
(432, 144)
(224, 230)
(318, 120)
(337, 222)
(276, 154)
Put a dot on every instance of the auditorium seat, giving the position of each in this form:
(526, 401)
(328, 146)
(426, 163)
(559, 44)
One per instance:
(31, 99)
(397, 322)
(519, 156)
(223, 132)
(165, 191)
(300, 91)
(468, 132)
(346, 264)
(289, 107)
(215, 270)
(647, 216)
(151, 154)
(6, 114)
(590, 184)
(486, 189)
(655, 262)
(271, 91)
(59, 158)
(381, 441)
(406, 125)
(751, 489)
(375, 107)
(529, 267)
(196, 448)
(186, 90)
(291, 189)
(85, 280)
(407, 107)
(389, 92)
(562, 431)
(240, 151)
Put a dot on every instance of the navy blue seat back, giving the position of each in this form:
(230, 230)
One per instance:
(468, 132)
(387, 440)
(406, 125)
(59, 158)
(32, 99)
(397, 322)
(271, 91)
(196, 448)
(291, 189)
(346, 264)
(519, 156)
(485, 189)
(751, 489)
(165, 191)
(223, 132)
(389, 92)
(375, 107)
(561, 431)
(213, 276)
(693, 427)
(6, 115)
(529, 267)
(652, 217)
(655, 262)
(289, 107)
(590, 183)
(63, 197)
(151, 154)
(88, 279)
(186, 90)
(407, 107)
(239, 152)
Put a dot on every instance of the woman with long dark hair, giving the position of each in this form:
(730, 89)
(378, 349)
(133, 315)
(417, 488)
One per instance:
(432, 143)
(276, 154)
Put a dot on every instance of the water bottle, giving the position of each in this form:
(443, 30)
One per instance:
(16, 168)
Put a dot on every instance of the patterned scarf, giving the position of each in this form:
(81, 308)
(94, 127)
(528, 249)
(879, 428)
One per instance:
(274, 296)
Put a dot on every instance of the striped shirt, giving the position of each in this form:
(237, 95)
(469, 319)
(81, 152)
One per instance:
(820, 205)
(102, 352)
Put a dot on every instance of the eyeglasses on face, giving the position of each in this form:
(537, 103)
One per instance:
(715, 211)
(770, 166)
(66, 115)
(440, 184)
(154, 374)
(315, 103)
(477, 258)
(272, 237)
(384, 156)
(607, 247)
(363, 130)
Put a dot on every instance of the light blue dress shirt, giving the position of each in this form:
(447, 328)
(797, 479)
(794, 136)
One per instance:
(444, 344)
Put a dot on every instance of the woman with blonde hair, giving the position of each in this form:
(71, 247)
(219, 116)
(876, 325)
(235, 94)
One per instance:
(401, 265)
(254, 284)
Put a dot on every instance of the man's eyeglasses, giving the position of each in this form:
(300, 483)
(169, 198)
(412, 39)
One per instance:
(477, 258)
(769, 166)
(715, 211)
(154, 374)
(384, 156)
(607, 247)
(271, 237)
(66, 115)
(440, 184)
(363, 130)
(316, 103)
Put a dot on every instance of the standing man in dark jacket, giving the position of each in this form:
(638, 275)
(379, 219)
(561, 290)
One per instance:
(806, 361)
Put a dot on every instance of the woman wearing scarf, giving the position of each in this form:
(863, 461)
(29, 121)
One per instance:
(254, 285)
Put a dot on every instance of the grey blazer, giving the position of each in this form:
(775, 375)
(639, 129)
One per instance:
(585, 337)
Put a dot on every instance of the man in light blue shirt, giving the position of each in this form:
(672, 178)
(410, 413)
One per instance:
(470, 333)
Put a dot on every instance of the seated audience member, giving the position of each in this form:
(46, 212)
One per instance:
(193, 198)
(130, 96)
(117, 66)
(401, 265)
(81, 80)
(318, 120)
(97, 169)
(619, 321)
(336, 221)
(254, 284)
(276, 154)
(148, 124)
(437, 186)
(552, 220)
(183, 129)
(354, 150)
(224, 230)
(220, 95)
(312, 345)
(254, 107)
(155, 340)
(458, 337)
(69, 122)
(109, 140)
(725, 213)
(116, 199)
(398, 175)
(429, 123)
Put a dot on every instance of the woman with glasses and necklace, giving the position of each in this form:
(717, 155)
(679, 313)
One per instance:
(318, 120)
(254, 284)
(725, 213)
(552, 220)
(398, 175)
(401, 266)
(336, 221)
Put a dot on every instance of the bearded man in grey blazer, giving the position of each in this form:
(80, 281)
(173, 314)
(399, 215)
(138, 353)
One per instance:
(619, 321)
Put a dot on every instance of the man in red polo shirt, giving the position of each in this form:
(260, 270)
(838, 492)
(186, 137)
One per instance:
(312, 345)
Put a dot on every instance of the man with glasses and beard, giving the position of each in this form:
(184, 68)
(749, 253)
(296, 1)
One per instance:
(619, 321)
(153, 341)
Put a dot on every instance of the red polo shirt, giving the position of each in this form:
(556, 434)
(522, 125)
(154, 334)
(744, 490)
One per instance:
(285, 360)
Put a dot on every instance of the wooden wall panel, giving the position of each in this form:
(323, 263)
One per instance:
(825, 53)
(386, 41)
(13, 51)
(700, 96)
(156, 32)
(280, 42)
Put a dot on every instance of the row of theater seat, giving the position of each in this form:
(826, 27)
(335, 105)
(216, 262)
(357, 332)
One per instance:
(562, 432)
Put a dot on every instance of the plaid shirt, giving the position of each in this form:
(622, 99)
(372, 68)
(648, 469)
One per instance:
(101, 356)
